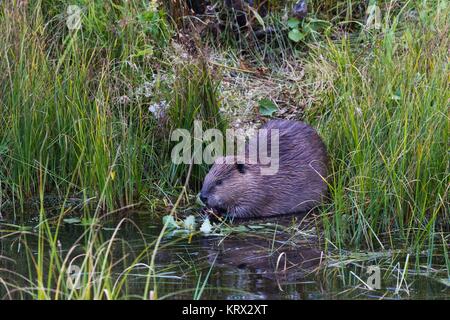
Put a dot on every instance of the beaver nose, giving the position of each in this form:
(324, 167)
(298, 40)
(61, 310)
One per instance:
(203, 198)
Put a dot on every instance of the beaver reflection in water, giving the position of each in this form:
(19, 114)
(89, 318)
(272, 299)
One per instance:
(239, 190)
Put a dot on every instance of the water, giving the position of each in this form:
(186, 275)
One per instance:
(270, 259)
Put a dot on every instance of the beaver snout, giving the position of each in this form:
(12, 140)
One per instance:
(204, 198)
(212, 202)
(219, 210)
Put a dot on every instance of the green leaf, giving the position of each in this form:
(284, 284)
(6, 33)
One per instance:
(293, 23)
(267, 107)
(189, 223)
(145, 52)
(109, 229)
(72, 220)
(198, 200)
(88, 221)
(295, 35)
(147, 16)
(170, 222)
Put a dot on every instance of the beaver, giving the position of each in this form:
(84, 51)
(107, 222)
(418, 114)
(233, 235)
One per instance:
(236, 187)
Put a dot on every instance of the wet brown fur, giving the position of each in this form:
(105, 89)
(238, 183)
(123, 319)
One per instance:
(239, 190)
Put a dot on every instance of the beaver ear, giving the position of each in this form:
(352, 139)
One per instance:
(241, 167)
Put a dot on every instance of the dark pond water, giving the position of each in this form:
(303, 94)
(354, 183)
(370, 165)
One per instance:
(276, 259)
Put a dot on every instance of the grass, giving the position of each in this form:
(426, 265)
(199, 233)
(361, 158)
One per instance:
(75, 105)
(86, 117)
(386, 124)
(195, 97)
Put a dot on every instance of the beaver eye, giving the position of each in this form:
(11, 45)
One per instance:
(240, 167)
(218, 182)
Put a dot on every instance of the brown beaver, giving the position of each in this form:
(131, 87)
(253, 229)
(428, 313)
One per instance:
(236, 187)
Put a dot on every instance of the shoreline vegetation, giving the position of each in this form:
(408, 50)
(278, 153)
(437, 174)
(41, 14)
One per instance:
(86, 117)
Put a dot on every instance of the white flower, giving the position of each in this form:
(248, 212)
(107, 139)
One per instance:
(153, 108)
(124, 100)
(206, 226)
(158, 108)
(189, 222)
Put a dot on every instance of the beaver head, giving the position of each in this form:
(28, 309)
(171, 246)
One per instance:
(229, 187)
